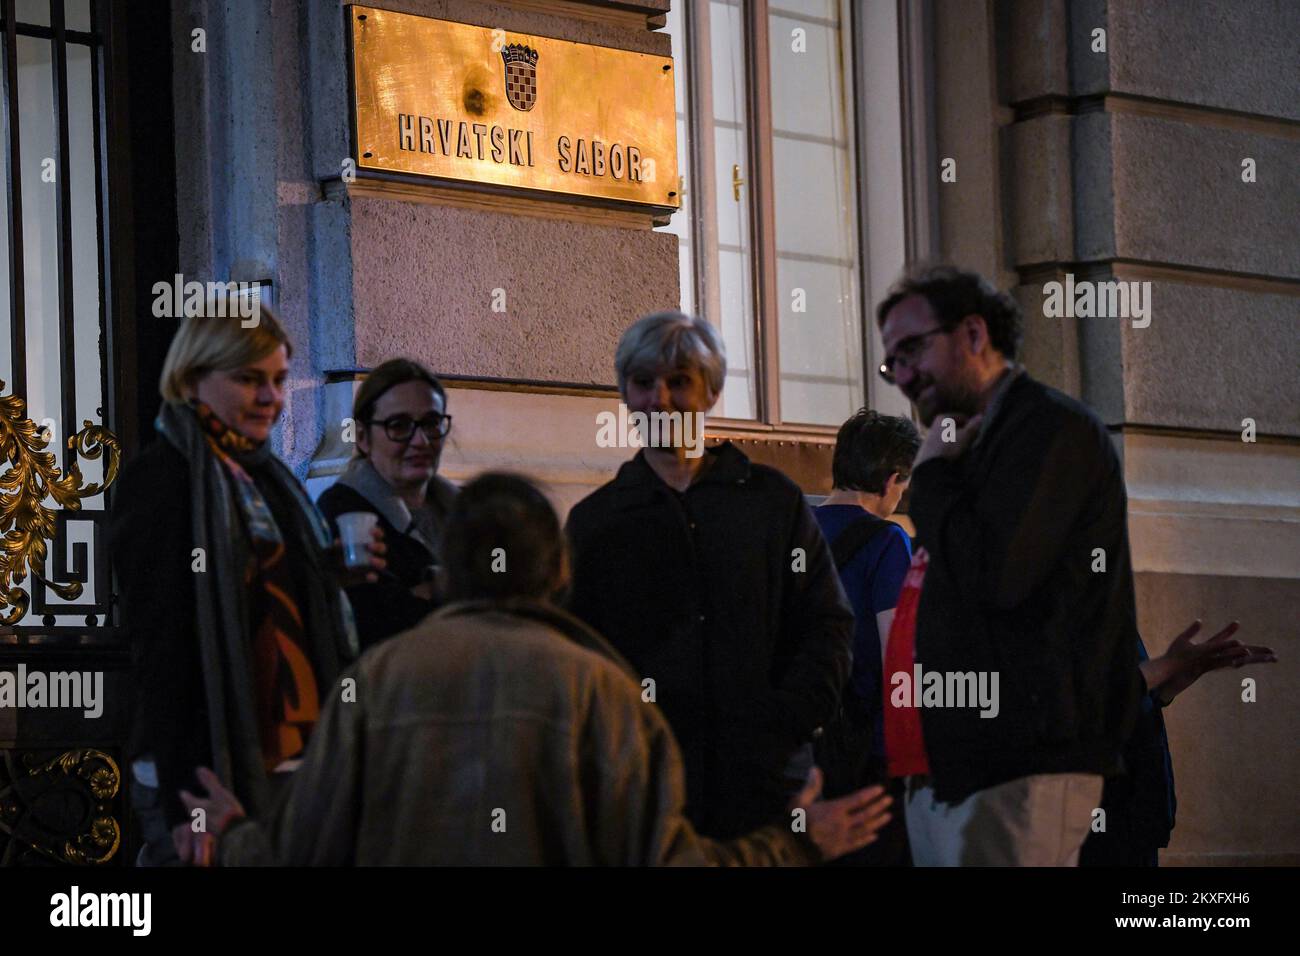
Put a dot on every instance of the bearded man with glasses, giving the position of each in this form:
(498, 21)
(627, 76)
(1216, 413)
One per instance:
(401, 420)
(1016, 490)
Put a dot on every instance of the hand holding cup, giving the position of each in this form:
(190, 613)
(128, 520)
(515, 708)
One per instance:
(358, 554)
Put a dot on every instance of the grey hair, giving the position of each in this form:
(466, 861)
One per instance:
(670, 340)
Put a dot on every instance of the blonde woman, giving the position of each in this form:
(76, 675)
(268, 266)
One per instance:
(228, 582)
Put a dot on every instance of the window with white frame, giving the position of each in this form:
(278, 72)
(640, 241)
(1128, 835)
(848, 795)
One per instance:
(774, 214)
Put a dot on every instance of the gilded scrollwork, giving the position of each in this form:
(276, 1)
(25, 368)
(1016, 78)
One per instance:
(97, 846)
(33, 476)
(90, 835)
(102, 777)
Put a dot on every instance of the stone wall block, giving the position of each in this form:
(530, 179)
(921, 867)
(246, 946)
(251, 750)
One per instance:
(425, 278)
(1032, 37)
(1213, 356)
(1235, 55)
(1038, 190)
(1089, 67)
(1235, 762)
(1051, 345)
(1180, 199)
(1094, 197)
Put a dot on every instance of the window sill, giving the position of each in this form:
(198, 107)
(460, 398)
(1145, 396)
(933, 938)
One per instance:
(801, 452)
(733, 428)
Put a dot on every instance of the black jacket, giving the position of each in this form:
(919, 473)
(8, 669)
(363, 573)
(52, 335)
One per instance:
(726, 597)
(151, 543)
(386, 607)
(150, 540)
(1012, 529)
(1140, 804)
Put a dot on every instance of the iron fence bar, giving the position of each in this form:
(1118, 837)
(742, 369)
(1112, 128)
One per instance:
(63, 207)
(106, 395)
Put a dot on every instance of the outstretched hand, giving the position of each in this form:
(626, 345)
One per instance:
(1185, 662)
(845, 824)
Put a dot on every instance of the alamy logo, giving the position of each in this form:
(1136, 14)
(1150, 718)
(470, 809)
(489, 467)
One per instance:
(215, 300)
(923, 688)
(1116, 299)
(75, 689)
(74, 908)
(651, 430)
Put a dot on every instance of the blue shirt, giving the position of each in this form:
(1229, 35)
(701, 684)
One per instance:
(872, 580)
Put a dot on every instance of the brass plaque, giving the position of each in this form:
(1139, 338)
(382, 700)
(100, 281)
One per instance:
(472, 104)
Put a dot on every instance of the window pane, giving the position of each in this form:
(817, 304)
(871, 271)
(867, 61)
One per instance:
(813, 380)
(731, 162)
(40, 232)
(34, 11)
(85, 252)
(76, 14)
(821, 9)
(816, 212)
(721, 274)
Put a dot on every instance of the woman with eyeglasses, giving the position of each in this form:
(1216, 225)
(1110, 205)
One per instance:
(401, 418)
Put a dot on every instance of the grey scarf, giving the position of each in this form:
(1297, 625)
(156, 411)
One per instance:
(221, 607)
(424, 524)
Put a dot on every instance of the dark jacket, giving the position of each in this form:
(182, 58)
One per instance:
(151, 543)
(1012, 528)
(494, 734)
(388, 607)
(726, 598)
(1140, 804)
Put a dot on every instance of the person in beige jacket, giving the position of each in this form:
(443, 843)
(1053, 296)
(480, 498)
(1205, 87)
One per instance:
(503, 731)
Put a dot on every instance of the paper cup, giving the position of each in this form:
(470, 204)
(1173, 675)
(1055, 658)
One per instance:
(354, 532)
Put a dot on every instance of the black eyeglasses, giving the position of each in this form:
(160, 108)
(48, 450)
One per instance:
(907, 352)
(402, 427)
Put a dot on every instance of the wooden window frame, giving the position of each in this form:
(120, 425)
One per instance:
(917, 135)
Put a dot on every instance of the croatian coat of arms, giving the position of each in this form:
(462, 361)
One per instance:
(521, 75)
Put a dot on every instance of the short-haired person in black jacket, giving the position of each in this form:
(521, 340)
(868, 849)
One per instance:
(710, 575)
(1139, 805)
(1017, 496)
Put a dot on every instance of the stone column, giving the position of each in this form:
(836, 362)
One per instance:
(1158, 144)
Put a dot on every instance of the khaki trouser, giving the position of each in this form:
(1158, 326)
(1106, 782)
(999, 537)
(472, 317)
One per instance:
(1040, 820)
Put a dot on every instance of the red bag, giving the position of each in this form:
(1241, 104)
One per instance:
(904, 743)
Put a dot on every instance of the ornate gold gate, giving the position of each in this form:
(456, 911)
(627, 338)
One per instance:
(62, 793)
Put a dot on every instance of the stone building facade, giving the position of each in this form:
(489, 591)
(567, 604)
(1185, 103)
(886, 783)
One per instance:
(1036, 141)
(1112, 156)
